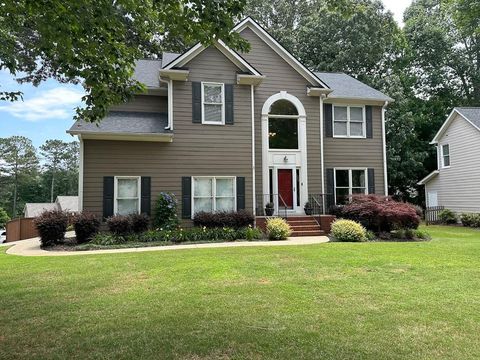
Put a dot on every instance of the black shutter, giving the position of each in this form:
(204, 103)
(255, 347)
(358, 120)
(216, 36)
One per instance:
(369, 123)
(330, 200)
(145, 192)
(371, 181)
(196, 102)
(229, 104)
(327, 118)
(108, 189)
(186, 197)
(240, 193)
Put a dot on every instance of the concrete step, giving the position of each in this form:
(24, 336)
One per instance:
(308, 233)
(305, 227)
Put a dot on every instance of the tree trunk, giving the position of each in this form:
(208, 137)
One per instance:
(52, 186)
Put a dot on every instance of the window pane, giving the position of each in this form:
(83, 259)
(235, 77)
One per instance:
(356, 113)
(446, 161)
(358, 190)
(358, 178)
(341, 177)
(125, 207)
(213, 113)
(225, 204)
(202, 187)
(340, 128)
(212, 93)
(446, 150)
(202, 204)
(356, 129)
(225, 187)
(342, 196)
(283, 133)
(283, 107)
(127, 188)
(340, 113)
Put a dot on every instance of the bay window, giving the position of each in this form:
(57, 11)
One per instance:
(349, 121)
(349, 182)
(211, 194)
(127, 195)
(213, 99)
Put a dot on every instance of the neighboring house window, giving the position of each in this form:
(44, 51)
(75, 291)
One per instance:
(349, 121)
(127, 195)
(283, 126)
(349, 182)
(432, 199)
(212, 194)
(445, 155)
(213, 99)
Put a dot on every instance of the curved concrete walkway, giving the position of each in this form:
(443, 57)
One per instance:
(31, 247)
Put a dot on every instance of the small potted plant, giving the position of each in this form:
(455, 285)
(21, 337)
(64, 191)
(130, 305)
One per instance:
(308, 208)
(269, 209)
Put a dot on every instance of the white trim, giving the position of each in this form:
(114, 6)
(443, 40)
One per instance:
(80, 173)
(447, 123)
(348, 121)
(214, 191)
(322, 165)
(350, 187)
(283, 95)
(442, 156)
(384, 150)
(175, 74)
(222, 85)
(170, 105)
(254, 205)
(89, 135)
(115, 190)
(233, 56)
(294, 169)
(247, 79)
(279, 49)
(429, 177)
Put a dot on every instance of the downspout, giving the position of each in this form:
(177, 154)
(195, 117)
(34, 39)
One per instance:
(252, 92)
(80, 174)
(384, 142)
(322, 166)
(169, 83)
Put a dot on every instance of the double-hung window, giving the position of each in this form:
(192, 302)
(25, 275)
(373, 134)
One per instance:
(211, 194)
(127, 195)
(349, 182)
(445, 155)
(213, 103)
(349, 121)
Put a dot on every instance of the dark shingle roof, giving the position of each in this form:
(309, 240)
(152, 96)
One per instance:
(471, 113)
(125, 122)
(345, 86)
(147, 72)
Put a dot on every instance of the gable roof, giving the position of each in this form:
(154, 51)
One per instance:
(347, 87)
(146, 72)
(67, 203)
(469, 114)
(280, 50)
(36, 209)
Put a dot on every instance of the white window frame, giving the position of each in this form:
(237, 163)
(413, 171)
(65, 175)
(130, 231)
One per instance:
(204, 103)
(350, 182)
(214, 191)
(442, 157)
(115, 192)
(364, 122)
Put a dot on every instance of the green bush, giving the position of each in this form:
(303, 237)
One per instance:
(348, 230)
(278, 229)
(470, 219)
(447, 216)
(4, 218)
(107, 239)
(165, 214)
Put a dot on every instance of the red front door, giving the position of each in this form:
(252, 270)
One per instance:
(285, 188)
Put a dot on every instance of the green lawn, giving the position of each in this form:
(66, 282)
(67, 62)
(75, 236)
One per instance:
(327, 301)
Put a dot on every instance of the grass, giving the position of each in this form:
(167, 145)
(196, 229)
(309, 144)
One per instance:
(331, 301)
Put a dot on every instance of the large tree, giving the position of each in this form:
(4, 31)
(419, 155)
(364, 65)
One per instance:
(96, 42)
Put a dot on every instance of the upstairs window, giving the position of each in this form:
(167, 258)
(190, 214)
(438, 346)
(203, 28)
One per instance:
(283, 126)
(445, 155)
(213, 100)
(349, 121)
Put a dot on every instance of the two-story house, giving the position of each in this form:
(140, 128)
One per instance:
(456, 183)
(224, 130)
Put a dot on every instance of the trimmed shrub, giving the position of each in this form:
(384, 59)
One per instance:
(51, 226)
(86, 225)
(447, 216)
(120, 225)
(165, 214)
(278, 229)
(348, 230)
(470, 219)
(140, 222)
(380, 213)
(233, 219)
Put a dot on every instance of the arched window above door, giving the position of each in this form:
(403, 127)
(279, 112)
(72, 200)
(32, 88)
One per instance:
(283, 125)
(283, 107)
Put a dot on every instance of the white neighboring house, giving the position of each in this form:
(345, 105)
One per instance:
(456, 183)
(63, 203)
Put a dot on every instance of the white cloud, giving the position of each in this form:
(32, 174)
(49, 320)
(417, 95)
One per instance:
(57, 103)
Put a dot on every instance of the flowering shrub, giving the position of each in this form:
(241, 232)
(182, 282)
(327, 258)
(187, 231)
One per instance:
(348, 230)
(278, 229)
(380, 213)
(233, 219)
(86, 225)
(165, 215)
(51, 226)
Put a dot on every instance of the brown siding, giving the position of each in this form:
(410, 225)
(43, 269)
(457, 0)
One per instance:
(196, 149)
(368, 153)
(280, 76)
(144, 103)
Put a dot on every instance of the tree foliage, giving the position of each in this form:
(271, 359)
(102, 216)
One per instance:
(4, 218)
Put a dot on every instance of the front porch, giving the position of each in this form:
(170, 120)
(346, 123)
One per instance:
(303, 225)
